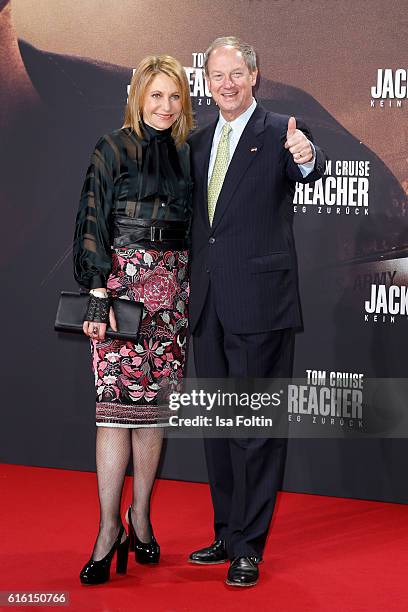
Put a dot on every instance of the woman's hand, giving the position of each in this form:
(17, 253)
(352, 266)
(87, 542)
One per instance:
(97, 331)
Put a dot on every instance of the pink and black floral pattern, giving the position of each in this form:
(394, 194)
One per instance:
(133, 381)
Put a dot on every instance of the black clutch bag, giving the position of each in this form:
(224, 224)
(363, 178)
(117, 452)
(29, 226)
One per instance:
(72, 307)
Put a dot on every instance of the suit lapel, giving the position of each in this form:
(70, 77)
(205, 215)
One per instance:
(248, 148)
(202, 162)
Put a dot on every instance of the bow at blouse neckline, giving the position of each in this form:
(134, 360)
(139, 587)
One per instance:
(160, 168)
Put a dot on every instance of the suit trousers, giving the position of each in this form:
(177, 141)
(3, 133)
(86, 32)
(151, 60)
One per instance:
(244, 473)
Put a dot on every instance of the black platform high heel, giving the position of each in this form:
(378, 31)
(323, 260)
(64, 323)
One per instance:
(145, 552)
(98, 572)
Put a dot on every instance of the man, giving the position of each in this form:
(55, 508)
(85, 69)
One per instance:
(244, 301)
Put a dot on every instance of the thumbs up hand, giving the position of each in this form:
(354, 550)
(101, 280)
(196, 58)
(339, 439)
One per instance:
(291, 127)
(297, 143)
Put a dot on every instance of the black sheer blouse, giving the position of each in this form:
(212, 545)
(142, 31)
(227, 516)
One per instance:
(129, 178)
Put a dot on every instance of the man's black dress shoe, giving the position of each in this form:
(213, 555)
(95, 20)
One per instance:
(216, 553)
(243, 572)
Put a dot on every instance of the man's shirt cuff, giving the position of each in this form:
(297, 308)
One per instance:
(309, 166)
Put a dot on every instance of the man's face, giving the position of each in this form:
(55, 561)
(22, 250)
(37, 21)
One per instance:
(230, 81)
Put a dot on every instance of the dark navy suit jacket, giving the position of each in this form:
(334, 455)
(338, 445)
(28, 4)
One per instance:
(248, 255)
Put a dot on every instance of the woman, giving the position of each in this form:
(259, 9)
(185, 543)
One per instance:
(130, 241)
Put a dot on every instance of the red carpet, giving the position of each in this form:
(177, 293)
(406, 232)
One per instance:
(323, 553)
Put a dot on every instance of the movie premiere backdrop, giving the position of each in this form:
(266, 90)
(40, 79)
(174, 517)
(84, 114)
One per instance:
(339, 66)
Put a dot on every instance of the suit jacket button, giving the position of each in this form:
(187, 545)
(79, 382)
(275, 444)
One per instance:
(211, 240)
(207, 270)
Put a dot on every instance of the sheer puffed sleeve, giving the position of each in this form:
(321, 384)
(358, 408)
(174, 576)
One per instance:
(92, 249)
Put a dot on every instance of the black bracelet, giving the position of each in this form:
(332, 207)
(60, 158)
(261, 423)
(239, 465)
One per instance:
(98, 309)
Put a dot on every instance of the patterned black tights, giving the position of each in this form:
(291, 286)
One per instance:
(113, 448)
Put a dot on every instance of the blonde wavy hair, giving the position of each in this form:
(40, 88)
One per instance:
(148, 68)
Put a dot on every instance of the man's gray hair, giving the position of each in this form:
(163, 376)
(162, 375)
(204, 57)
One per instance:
(248, 52)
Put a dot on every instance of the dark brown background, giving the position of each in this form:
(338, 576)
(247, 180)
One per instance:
(330, 49)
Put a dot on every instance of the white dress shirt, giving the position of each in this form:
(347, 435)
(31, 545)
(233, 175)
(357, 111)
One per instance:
(238, 126)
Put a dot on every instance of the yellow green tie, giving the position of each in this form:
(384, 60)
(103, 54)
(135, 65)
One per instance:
(219, 170)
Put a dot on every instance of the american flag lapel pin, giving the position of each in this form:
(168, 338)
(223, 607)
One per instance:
(254, 149)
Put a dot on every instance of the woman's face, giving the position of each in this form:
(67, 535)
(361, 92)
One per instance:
(162, 102)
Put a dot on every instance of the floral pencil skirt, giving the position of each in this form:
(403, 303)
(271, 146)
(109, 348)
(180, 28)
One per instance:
(133, 381)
